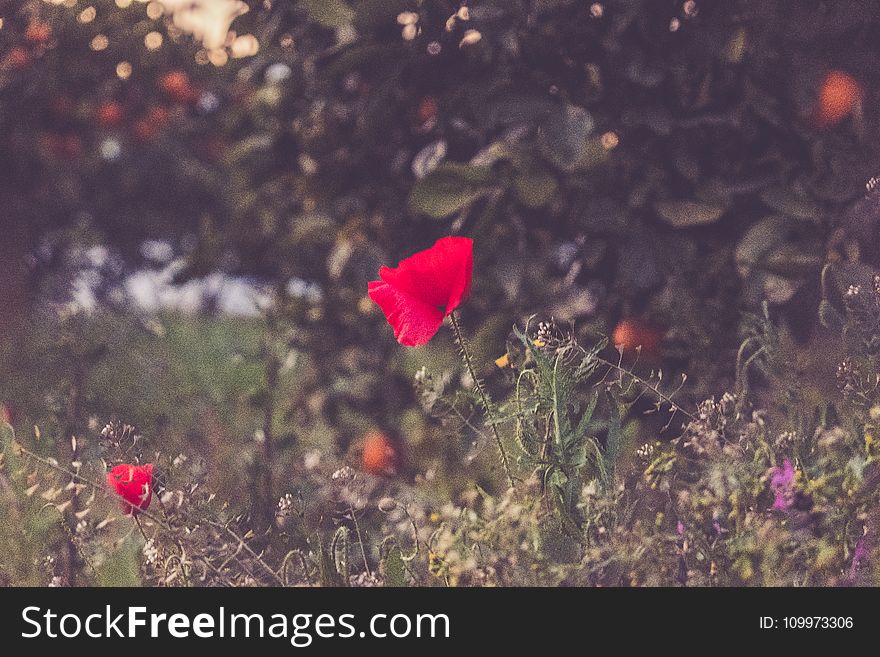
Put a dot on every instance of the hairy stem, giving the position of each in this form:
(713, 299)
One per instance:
(484, 397)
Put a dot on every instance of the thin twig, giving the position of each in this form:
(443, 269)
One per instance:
(662, 396)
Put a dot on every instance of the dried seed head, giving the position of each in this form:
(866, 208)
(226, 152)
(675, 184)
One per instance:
(344, 473)
(549, 336)
(422, 376)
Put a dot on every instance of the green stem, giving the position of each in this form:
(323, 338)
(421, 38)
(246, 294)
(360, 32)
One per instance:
(484, 397)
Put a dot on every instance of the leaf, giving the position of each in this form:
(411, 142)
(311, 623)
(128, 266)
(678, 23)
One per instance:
(511, 109)
(788, 202)
(588, 415)
(536, 187)
(736, 46)
(561, 422)
(449, 188)
(565, 137)
(339, 553)
(791, 260)
(327, 572)
(829, 316)
(576, 454)
(359, 56)
(615, 431)
(684, 214)
(122, 565)
(7, 434)
(249, 149)
(311, 228)
(429, 158)
(328, 13)
(757, 242)
(494, 152)
(394, 568)
(372, 15)
(778, 289)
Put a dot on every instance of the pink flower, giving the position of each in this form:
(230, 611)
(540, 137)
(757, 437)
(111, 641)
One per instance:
(860, 555)
(782, 485)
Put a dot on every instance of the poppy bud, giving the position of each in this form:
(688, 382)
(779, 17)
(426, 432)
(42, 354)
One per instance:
(17, 58)
(427, 109)
(64, 146)
(38, 33)
(176, 85)
(109, 113)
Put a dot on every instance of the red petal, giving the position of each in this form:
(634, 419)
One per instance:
(414, 321)
(440, 277)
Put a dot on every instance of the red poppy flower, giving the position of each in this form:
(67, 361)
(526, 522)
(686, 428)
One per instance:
(134, 484)
(424, 288)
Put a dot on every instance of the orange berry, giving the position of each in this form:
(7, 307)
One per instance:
(38, 33)
(62, 106)
(379, 455)
(838, 96)
(157, 115)
(146, 128)
(17, 58)
(175, 85)
(67, 147)
(143, 130)
(632, 334)
(211, 149)
(109, 113)
(427, 109)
